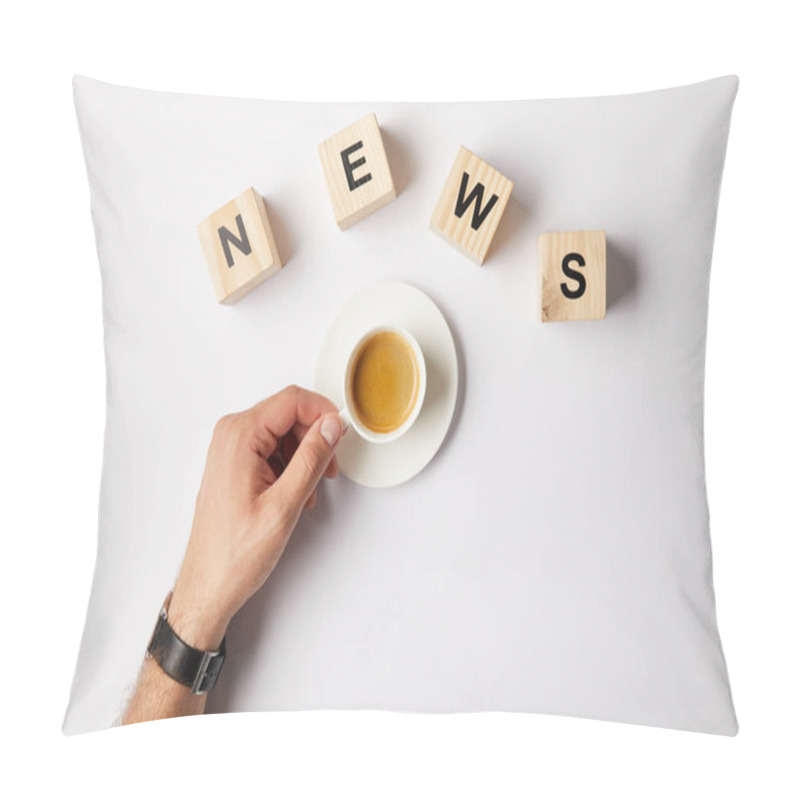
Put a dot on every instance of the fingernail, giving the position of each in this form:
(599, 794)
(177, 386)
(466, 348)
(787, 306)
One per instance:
(345, 423)
(331, 429)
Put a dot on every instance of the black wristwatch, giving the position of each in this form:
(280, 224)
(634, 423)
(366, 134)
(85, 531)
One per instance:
(197, 669)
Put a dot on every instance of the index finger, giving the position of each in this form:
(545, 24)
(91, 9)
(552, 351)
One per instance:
(274, 417)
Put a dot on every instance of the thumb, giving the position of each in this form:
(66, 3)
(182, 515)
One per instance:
(310, 460)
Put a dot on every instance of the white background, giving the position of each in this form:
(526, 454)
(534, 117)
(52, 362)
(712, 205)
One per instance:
(53, 388)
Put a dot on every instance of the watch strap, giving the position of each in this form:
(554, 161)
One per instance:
(197, 669)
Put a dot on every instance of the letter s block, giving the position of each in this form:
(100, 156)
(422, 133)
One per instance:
(573, 265)
(357, 171)
(239, 247)
(471, 205)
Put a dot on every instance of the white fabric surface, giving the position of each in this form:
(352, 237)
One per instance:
(554, 556)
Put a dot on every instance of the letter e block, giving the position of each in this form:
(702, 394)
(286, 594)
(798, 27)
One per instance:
(573, 265)
(357, 171)
(239, 247)
(471, 205)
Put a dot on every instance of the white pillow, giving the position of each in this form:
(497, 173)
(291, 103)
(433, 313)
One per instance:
(554, 556)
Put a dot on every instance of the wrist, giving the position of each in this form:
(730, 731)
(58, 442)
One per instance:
(200, 625)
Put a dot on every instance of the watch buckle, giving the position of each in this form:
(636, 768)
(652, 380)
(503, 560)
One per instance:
(201, 672)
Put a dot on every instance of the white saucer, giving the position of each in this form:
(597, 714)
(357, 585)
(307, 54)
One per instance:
(383, 465)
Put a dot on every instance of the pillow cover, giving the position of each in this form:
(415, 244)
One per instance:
(554, 556)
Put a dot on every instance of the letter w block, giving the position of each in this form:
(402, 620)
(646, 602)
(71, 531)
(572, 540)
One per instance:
(239, 247)
(471, 205)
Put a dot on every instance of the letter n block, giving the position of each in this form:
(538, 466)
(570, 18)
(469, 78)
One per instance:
(239, 247)
(573, 265)
(471, 205)
(357, 171)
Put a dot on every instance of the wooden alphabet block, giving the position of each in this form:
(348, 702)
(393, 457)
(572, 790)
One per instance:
(239, 247)
(357, 171)
(471, 205)
(573, 265)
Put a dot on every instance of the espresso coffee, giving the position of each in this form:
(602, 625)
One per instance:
(384, 382)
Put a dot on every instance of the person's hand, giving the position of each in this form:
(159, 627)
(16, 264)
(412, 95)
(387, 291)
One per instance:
(262, 470)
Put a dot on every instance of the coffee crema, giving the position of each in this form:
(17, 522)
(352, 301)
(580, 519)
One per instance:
(384, 382)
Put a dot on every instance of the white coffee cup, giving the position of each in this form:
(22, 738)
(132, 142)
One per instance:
(348, 413)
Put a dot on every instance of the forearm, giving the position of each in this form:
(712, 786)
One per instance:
(157, 695)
